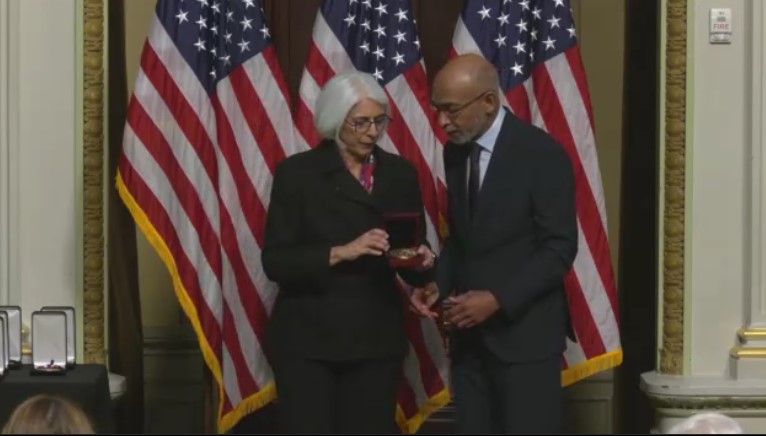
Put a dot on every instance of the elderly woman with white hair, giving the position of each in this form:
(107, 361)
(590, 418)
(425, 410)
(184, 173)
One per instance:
(336, 337)
(707, 423)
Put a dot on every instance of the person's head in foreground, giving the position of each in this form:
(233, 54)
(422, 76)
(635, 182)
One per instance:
(46, 414)
(707, 423)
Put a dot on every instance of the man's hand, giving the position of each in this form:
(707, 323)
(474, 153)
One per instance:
(422, 299)
(470, 309)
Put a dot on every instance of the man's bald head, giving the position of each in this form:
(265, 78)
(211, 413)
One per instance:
(465, 94)
(470, 70)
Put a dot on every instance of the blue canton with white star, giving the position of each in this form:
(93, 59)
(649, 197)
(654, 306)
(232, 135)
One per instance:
(215, 36)
(379, 36)
(516, 35)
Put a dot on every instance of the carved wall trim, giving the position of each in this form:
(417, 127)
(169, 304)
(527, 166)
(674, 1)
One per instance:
(93, 184)
(709, 403)
(671, 354)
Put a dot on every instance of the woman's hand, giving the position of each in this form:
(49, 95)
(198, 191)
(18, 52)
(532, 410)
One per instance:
(428, 258)
(373, 242)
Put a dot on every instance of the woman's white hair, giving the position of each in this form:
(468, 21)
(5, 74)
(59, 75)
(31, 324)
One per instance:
(340, 95)
(707, 423)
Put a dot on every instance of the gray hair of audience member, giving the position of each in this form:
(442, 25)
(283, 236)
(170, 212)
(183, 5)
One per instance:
(340, 95)
(707, 423)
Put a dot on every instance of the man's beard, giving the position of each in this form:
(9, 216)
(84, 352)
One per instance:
(464, 137)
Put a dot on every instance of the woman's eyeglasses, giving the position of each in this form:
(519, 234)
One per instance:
(361, 124)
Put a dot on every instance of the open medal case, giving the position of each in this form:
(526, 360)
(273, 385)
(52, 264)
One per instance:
(71, 350)
(49, 342)
(404, 231)
(3, 347)
(13, 327)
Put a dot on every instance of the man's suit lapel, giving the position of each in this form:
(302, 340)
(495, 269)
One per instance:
(496, 176)
(457, 180)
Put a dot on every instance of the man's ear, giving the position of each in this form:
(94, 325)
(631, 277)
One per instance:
(491, 101)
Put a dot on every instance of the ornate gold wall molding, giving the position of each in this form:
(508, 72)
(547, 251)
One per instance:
(93, 185)
(671, 354)
(708, 403)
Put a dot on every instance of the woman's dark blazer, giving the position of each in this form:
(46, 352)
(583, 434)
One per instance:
(352, 310)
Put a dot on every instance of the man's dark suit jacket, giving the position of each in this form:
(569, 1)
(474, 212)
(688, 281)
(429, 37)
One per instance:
(519, 245)
(352, 310)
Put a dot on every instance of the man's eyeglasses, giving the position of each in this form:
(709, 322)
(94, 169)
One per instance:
(362, 124)
(453, 112)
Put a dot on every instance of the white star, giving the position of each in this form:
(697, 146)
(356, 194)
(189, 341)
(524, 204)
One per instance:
(399, 58)
(536, 12)
(217, 7)
(484, 12)
(550, 44)
(381, 31)
(213, 51)
(524, 5)
(227, 36)
(201, 23)
(378, 74)
(417, 42)
(554, 22)
(571, 31)
(265, 32)
(200, 44)
(379, 53)
(532, 56)
(214, 29)
(402, 15)
(559, 3)
(520, 47)
(230, 17)
(503, 19)
(203, 3)
(212, 73)
(522, 26)
(534, 34)
(352, 2)
(366, 24)
(507, 1)
(365, 47)
(182, 16)
(517, 69)
(367, 3)
(246, 24)
(226, 59)
(248, 3)
(500, 40)
(381, 9)
(351, 19)
(244, 45)
(400, 37)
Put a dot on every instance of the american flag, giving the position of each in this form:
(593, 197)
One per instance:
(207, 124)
(380, 38)
(533, 44)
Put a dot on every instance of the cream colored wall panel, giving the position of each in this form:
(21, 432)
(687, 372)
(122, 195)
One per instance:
(46, 155)
(718, 198)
